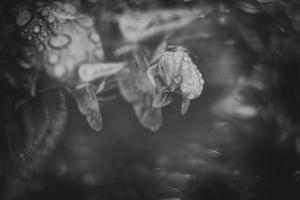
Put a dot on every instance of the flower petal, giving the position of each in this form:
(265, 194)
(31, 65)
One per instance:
(162, 99)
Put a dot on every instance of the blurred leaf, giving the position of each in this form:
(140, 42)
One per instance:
(185, 106)
(148, 116)
(88, 105)
(92, 71)
(159, 51)
(34, 132)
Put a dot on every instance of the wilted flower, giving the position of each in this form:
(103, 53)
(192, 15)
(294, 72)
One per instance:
(174, 72)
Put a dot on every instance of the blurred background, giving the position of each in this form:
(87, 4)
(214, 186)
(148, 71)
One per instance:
(239, 140)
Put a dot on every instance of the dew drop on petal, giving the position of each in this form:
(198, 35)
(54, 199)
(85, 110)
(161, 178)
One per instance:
(186, 58)
(185, 66)
(178, 79)
(190, 81)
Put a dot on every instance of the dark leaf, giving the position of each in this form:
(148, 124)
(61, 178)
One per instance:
(185, 106)
(36, 130)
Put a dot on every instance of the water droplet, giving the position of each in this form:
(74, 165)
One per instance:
(86, 71)
(94, 37)
(45, 11)
(59, 41)
(51, 19)
(191, 96)
(37, 29)
(185, 66)
(41, 48)
(178, 79)
(190, 81)
(59, 70)
(99, 54)
(183, 87)
(186, 58)
(53, 59)
(85, 22)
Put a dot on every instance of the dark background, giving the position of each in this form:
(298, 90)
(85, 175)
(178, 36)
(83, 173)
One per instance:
(239, 140)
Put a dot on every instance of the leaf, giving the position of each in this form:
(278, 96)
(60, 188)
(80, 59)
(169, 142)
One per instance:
(148, 116)
(95, 121)
(141, 59)
(19, 103)
(162, 99)
(88, 105)
(127, 80)
(185, 106)
(159, 51)
(36, 130)
(92, 71)
(29, 82)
